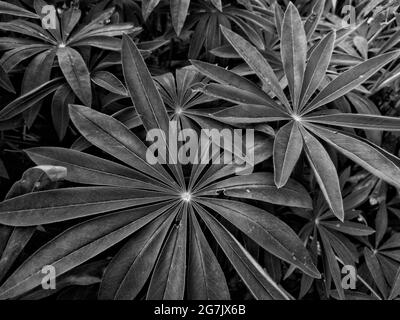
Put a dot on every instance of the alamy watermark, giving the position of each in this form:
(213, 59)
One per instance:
(49, 19)
(49, 277)
(187, 146)
(350, 277)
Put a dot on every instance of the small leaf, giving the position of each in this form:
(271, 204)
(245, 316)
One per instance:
(288, 145)
(257, 62)
(69, 20)
(70, 203)
(144, 94)
(256, 279)
(376, 271)
(396, 286)
(266, 230)
(232, 79)
(313, 19)
(168, 280)
(332, 263)
(250, 113)
(114, 138)
(29, 99)
(5, 82)
(325, 173)
(76, 73)
(316, 67)
(77, 245)
(131, 266)
(234, 94)
(206, 280)
(347, 227)
(148, 6)
(360, 121)
(8, 8)
(179, 11)
(261, 187)
(371, 157)
(59, 109)
(294, 51)
(109, 82)
(381, 223)
(350, 80)
(87, 169)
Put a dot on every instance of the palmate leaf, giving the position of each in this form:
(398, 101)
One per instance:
(148, 6)
(206, 279)
(76, 73)
(230, 78)
(294, 52)
(5, 82)
(278, 16)
(262, 151)
(170, 269)
(338, 247)
(265, 229)
(59, 109)
(287, 149)
(8, 8)
(71, 203)
(69, 20)
(127, 117)
(29, 29)
(13, 57)
(77, 245)
(43, 43)
(316, 67)
(37, 73)
(396, 287)
(350, 80)
(248, 113)
(151, 212)
(261, 187)
(3, 170)
(314, 18)
(332, 263)
(325, 173)
(360, 121)
(130, 268)
(144, 94)
(373, 158)
(256, 279)
(179, 11)
(109, 82)
(9, 43)
(29, 99)
(375, 269)
(347, 227)
(79, 167)
(289, 141)
(232, 94)
(13, 240)
(257, 62)
(341, 247)
(86, 169)
(117, 140)
(179, 95)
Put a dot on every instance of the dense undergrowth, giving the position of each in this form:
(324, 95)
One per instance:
(82, 82)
